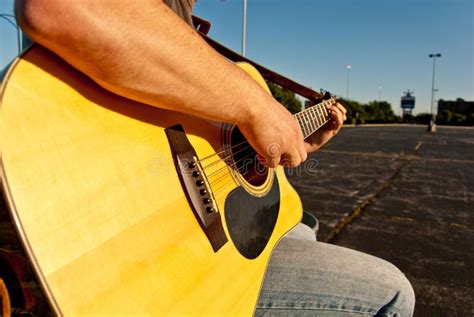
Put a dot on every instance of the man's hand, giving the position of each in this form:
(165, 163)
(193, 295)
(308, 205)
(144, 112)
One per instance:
(277, 137)
(327, 131)
(275, 134)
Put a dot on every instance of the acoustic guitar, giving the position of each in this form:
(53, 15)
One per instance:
(128, 209)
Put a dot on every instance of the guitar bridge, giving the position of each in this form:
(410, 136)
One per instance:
(196, 186)
(206, 191)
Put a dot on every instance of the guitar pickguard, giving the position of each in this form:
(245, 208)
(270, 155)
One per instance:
(251, 220)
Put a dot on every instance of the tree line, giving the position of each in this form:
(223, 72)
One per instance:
(373, 111)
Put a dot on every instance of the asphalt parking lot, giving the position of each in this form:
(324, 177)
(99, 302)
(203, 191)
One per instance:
(406, 196)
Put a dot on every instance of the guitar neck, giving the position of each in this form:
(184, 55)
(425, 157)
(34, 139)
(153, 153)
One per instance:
(311, 119)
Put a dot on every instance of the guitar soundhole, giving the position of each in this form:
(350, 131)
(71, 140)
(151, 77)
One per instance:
(245, 160)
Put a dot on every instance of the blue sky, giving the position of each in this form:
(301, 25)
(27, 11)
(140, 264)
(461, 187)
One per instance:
(387, 42)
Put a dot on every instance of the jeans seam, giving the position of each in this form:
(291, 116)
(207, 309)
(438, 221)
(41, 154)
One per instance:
(315, 308)
(363, 309)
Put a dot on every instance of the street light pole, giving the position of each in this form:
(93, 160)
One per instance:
(380, 92)
(244, 27)
(348, 68)
(432, 127)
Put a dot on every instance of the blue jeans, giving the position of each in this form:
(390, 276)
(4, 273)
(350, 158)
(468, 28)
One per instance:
(309, 278)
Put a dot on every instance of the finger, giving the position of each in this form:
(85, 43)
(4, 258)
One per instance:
(308, 147)
(301, 148)
(291, 158)
(339, 120)
(337, 117)
(342, 110)
(273, 161)
(273, 155)
(341, 107)
(286, 161)
(334, 110)
(294, 157)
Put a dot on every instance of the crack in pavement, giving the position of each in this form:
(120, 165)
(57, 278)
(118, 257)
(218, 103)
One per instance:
(404, 161)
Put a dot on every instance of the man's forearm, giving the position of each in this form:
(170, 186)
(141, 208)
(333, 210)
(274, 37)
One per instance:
(143, 51)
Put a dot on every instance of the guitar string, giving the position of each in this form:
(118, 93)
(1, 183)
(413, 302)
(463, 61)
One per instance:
(320, 105)
(219, 190)
(248, 146)
(215, 181)
(236, 162)
(228, 166)
(214, 154)
(299, 118)
(229, 156)
(221, 194)
(218, 194)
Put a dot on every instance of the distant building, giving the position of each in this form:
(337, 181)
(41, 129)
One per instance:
(407, 103)
(459, 106)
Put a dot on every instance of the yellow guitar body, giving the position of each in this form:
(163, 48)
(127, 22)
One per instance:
(91, 183)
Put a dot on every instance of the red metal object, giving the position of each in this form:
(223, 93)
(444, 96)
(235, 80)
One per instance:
(201, 25)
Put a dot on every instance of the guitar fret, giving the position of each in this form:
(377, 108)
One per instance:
(310, 122)
(313, 118)
(316, 113)
(322, 113)
(302, 125)
(323, 109)
(316, 116)
(318, 110)
(326, 112)
(305, 122)
(314, 124)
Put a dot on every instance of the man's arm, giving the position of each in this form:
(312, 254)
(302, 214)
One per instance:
(143, 51)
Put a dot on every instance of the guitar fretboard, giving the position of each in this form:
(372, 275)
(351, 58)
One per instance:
(313, 118)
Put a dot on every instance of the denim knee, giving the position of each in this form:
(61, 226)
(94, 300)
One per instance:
(403, 303)
(408, 295)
